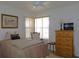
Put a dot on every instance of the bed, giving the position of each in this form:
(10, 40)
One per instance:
(23, 49)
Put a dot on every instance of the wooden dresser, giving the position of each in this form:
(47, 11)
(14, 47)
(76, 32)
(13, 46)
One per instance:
(64, 43)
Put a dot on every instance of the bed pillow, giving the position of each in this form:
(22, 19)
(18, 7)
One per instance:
(15, 36)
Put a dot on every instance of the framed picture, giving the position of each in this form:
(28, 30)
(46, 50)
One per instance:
(9, 21)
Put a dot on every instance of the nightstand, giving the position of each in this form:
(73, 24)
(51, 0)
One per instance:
(53, 45)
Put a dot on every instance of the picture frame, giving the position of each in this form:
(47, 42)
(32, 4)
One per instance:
(9, 21)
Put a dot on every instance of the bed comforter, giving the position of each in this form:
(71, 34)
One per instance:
(23, 49)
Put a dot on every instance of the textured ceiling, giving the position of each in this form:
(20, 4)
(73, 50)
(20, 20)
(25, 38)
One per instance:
(29, 5)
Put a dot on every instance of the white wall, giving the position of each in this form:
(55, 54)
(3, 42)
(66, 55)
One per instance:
(4, 9)
(66, 14)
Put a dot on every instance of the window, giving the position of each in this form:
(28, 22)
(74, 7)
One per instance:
(42, 26)
(30, 26)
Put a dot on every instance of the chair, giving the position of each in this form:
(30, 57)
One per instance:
(35, 35)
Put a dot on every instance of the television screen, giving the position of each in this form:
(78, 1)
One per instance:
(68, 26)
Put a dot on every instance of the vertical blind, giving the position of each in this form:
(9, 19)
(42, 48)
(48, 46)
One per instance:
(40, 25)
(29, 26)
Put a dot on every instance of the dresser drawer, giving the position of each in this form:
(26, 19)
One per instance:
(64, 40)
(63, 47)
(65, 52)
(64, 34)
(64, 44)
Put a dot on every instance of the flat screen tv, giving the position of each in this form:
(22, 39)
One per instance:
(68, 26)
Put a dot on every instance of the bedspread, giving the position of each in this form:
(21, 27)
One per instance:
(23, 49)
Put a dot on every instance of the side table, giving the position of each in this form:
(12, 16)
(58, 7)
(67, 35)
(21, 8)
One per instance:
(53, 45)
